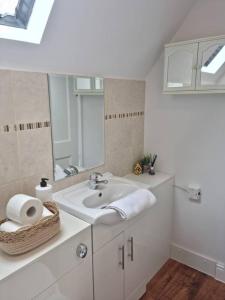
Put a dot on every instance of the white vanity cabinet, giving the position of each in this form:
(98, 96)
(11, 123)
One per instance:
(127, 255)
(195, 66)
(54, 270)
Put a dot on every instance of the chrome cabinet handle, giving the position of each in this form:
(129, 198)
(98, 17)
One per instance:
(82, 251)
(131, 254)
(121, 263)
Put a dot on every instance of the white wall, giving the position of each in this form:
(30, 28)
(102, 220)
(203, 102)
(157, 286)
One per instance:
(115, 39)
(188, 133)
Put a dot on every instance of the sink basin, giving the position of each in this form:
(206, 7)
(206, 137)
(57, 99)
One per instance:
(89, 205)
(108, 194)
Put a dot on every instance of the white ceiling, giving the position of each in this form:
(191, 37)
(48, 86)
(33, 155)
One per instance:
(112, 38)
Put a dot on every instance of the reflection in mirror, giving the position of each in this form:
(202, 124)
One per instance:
(77, 113)
(213, 66)
(180, 69)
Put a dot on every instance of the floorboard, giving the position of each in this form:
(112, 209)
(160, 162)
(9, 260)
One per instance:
(176, 281)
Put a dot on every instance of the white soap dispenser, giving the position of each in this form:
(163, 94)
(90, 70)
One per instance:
(44, 190)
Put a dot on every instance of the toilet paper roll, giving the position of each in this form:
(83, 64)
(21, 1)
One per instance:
(24, 209)
(46, 213)
(10, 226)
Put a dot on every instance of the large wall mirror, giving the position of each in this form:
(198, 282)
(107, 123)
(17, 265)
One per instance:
(77, 114)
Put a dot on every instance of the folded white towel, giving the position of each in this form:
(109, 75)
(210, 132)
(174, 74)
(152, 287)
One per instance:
(133, 204)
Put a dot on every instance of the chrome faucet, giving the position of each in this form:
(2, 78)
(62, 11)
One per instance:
(94, 180)
(71, 170)
(74, 170)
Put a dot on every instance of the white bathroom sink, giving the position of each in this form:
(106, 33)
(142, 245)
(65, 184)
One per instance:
(108, 194)
(89, 205)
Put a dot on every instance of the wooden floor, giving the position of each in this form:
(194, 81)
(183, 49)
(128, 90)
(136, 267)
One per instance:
(176, 281)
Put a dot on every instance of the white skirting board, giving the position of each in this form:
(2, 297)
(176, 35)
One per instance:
(199, 262)
(220, 272)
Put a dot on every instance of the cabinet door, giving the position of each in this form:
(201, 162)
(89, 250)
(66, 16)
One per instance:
(138, 257)
(211, 65)
(109, 270)
(180, 67)
(76, 284)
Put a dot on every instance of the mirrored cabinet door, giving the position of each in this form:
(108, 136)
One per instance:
(180, 67)
(83, 83)
(89, 85)
(99, 83)
(211, 65)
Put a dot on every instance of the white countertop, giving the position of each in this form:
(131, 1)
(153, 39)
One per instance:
(70, 226)
(152, 181)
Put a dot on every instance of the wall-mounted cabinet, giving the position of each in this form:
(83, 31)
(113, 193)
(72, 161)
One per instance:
(195, 66)
(88, 85)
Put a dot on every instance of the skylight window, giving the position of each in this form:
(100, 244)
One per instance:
(16, 13)
(8, 8)
(24, 20)
(215, 62)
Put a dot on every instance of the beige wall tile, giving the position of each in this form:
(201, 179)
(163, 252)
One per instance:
(120, 134)
(125, 144)
(121, 161)
(137, 133)
(30, 97)
(28, 184)
(6, 103)
(35, 153)
(9, 168)
(6, 192)
(124, 95)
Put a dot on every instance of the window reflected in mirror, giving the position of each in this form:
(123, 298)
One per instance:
(77, 115)
(213, 66)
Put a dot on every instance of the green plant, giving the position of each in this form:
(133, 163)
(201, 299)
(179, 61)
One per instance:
(146, 160)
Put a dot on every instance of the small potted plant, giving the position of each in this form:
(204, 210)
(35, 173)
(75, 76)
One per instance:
(146, 162)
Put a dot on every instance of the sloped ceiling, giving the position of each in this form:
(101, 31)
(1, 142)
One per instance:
(112, 38)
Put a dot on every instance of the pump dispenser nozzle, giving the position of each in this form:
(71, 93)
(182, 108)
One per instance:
(44, 182)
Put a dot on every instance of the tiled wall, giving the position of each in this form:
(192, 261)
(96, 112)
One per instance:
(25, 134)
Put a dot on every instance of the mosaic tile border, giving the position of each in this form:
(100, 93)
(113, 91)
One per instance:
(24, 126)
(124, 115)
(38, 125)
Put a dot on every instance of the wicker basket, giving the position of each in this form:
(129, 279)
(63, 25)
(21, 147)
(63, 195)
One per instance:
(30, 237)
